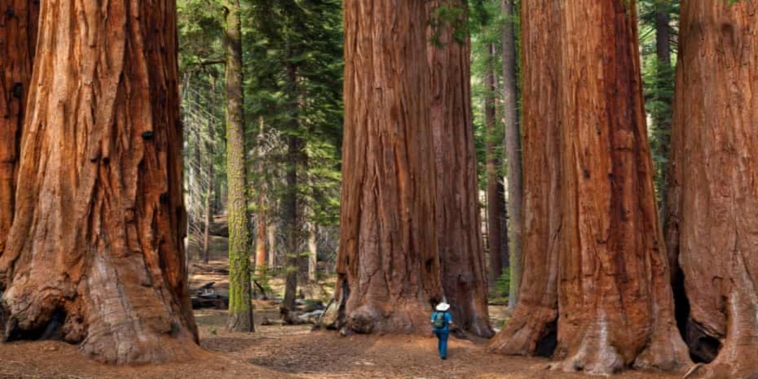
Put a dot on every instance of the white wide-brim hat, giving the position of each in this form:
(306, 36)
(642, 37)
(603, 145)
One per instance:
(442, 307)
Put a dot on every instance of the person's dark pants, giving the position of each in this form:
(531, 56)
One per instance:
(442, 342)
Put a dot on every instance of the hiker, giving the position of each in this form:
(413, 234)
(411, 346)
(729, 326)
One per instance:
(441, 321)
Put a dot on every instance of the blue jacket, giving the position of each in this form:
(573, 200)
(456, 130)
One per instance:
(448, 320)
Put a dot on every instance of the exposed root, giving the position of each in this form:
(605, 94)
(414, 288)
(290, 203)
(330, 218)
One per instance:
(666, 350)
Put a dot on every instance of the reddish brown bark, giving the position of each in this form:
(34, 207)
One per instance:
(495, 193)
(531, 330)
(615, 302)
(388, 265)
(461, 249)
(713, 205)
(18, 36)
(95, 255)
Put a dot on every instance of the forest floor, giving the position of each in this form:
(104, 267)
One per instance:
(277, 351)
(289, 352)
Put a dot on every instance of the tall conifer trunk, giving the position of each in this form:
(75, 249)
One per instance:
(614, 300)
(95, 255)
(495, 193)
(461, 248)
(260, 236)
(389, 276)
(292, 212)
(713, 227)
(240, 288)
(512, 144)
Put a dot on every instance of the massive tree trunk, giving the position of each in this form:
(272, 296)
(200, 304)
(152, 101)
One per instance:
(713, 202)
(240, 289)
(388, 264)
(18, 37)
(614, 298)
(96, 255)
(512, 145)
(495, 197)
(532, 328)
(461, 249)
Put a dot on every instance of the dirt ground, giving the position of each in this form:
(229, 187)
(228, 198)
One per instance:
(278, 351)
(288, 352)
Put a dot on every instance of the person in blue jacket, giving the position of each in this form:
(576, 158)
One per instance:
(441, 321)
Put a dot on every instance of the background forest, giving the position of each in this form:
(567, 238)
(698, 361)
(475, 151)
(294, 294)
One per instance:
(292, 63)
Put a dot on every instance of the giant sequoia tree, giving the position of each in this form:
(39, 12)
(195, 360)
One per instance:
(531, 330)
(388, 265)
(461, 250)
(614, 305)
(713, 206)
(95, 255)
(18, 36)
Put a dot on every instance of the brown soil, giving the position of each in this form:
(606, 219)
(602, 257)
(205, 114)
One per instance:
(287, 352)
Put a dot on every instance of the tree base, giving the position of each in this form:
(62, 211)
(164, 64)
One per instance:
(114, 313)
(408, 319)
(530, 332)
(595, 354)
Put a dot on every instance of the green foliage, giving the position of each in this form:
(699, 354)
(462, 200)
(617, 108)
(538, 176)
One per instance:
(449, 17)
(306, 35)
(486, 26)
(503, 284)
(277, 34)
(658, 78)
(262, 275)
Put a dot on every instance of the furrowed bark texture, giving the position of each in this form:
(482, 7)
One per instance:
(18, 37)
(614, 297)
(715, 152)
(96, 255)
(388, 264)
(512, 143)
(531, 330)
(240, 289)
(461, 248)
(495, 198)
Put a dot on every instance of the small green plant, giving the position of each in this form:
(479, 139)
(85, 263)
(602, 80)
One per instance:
(503, 284)
(213, 332)
(262, 276)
